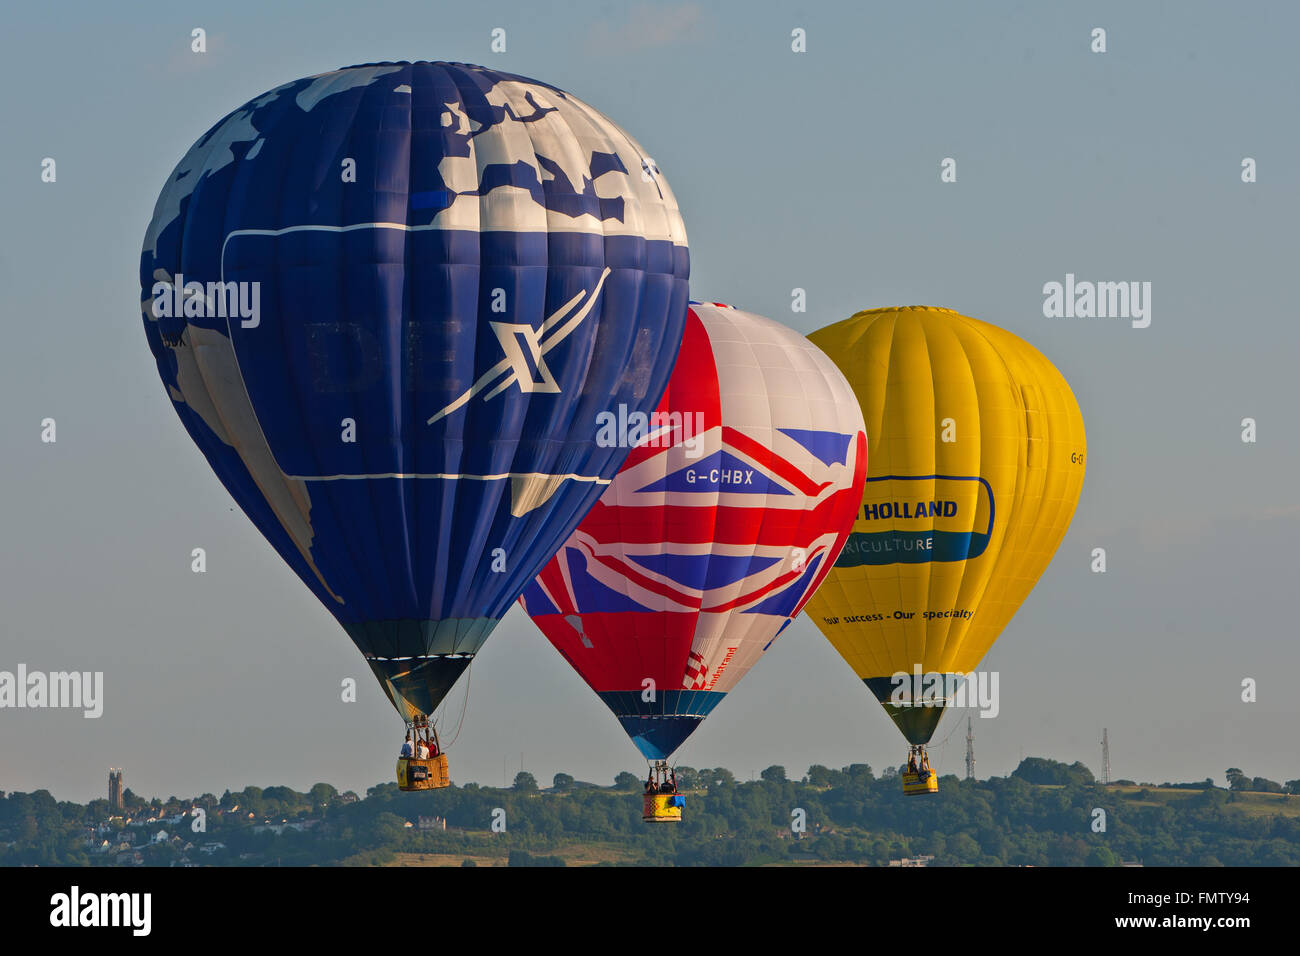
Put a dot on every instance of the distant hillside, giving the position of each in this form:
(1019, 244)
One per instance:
(1045, 813)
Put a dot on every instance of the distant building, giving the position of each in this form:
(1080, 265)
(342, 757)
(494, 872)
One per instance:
(431, 823)
(115, 788)
(925, 860)
(298, 826)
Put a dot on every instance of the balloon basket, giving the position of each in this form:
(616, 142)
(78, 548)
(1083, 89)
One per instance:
(915, 784)
(428, 774)
(662, 807)
(918, 778)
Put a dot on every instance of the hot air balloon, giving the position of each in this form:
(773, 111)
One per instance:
(390, 304)
(976, 457)
(740, 492)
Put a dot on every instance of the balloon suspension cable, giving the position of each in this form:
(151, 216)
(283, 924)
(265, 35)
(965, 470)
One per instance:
(660, 774)
(944, 743)
(419, 730)
(955, 728)
(918, 756)
(464, 707)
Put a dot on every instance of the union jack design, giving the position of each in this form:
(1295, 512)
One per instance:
(726, 516)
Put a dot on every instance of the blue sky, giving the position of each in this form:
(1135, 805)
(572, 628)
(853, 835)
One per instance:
(818, 171)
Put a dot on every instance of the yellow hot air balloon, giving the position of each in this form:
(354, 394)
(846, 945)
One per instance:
(975, 462)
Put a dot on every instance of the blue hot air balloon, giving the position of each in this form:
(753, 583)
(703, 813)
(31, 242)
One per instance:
(389, 303)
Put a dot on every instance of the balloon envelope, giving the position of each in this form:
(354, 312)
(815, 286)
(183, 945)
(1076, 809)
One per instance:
(722, 522)
(389, 304)
(976, 457)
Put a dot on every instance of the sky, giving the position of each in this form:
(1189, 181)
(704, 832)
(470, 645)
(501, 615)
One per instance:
(817, 170)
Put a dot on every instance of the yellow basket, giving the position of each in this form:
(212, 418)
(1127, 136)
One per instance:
(428, 774)
(915, 783)
(662, 808)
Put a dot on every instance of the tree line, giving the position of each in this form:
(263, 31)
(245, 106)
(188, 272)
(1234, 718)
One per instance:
(1045, 813)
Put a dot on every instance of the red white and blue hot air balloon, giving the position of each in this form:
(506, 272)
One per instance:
(730, 510)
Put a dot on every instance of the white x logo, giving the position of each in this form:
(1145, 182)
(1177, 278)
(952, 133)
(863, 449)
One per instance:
(515, 366)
